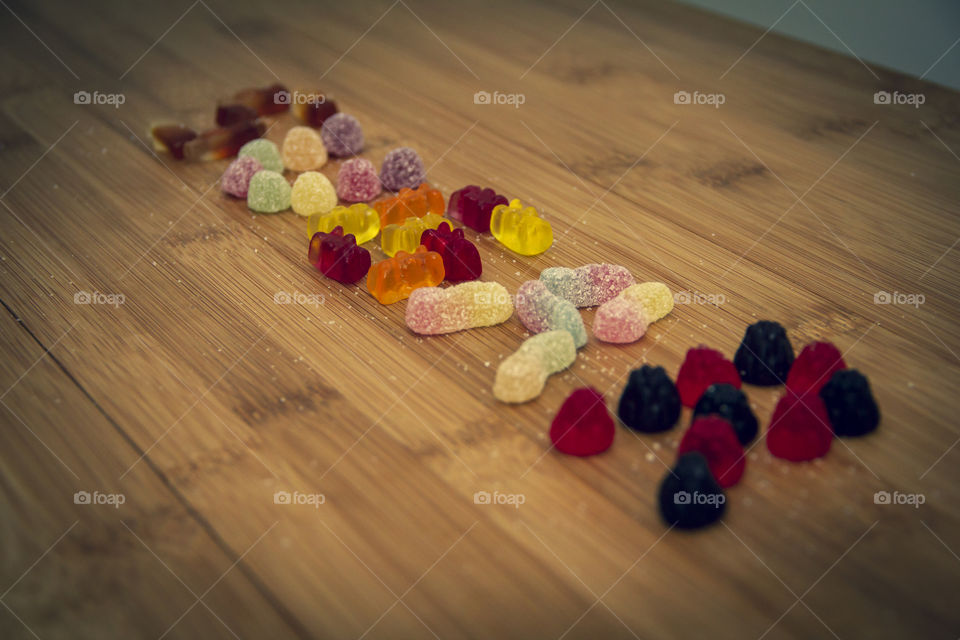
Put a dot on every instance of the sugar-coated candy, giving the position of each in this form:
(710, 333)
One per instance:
(626, 318)
(539, 310)
(337, 256)
(314, 112)
(714, 438)
(689, 495)
(223, 142)
(236, 179)
(473, 206)
(813, 367)
(303, 150)
(765, 354)
(265, 152)
(589, 285)
(409, 202)
(312, 193)
(170, 138)
(731, 404)
(358, 219)
(402, 168)
(461, 260)
(357, 181)
(522, 375)
(406, 236)
(520, 229)
(432, 310)
(342, 135)
(393, 279)
(269, 192)
(850, 404)
(229, 113)
(650, 402)
(265, 101)
(583, 426)
(701, 368)
(799, 428)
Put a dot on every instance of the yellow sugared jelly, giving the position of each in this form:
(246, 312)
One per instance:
(406, 236)
(520, 229)
(359, 219)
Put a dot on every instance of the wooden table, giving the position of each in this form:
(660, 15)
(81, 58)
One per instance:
(196, 397)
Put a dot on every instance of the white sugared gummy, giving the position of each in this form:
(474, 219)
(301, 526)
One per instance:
(433, 310)
(522, 376)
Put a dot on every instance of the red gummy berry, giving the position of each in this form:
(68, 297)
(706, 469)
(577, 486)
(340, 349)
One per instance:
(813, 368)
(799, 429)
(583, 426)
(715, 439)
(701, 368)
(337, 256)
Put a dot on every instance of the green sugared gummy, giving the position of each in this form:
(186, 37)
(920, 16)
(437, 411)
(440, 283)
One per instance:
(269, 192)
(265, 152)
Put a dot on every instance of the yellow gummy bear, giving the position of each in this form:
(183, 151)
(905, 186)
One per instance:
(359, 219)
(406, 236)
(520, 229)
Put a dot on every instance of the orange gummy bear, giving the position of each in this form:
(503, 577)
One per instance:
(393, 279)
(410, 202)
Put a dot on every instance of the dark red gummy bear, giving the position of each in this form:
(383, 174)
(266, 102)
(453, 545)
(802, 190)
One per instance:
(583, 426)
(473, 206)
(461, 260)
(799, 429)
(813, 368)
(701, 368)
(337, 256)
(715, 439)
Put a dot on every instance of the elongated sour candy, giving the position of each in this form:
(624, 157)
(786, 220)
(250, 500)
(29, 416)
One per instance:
(432, 310)
(522, 376)
(359, 219)
(406, 236)
(520, 229)
(626, 318)
(393, 279)
(589, 285)
(539, 311)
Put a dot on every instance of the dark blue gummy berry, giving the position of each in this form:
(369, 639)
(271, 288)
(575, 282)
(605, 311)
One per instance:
(690, 497)
(650, 402)
(730, 403)
(765, 354)
(850, 404)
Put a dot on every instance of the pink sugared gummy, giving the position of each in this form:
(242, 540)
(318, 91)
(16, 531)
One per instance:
(622, 321)
(589, 285)
(236, 179)
(357, 181)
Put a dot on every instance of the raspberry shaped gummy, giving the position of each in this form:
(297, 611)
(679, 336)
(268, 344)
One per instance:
(850, 404)
(713, 437)
(583, 426)
(814, 366)
(702, 367)
(731, 404)
(765, 354)
(650, 402)
(689, 495)
(799, 429)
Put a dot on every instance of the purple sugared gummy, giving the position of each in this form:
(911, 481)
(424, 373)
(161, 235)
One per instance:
(357, 181)
(236, 179)
(402, 168)
(472, 206)
(342, 135)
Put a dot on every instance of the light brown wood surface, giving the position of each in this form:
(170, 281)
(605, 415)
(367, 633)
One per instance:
(198, 398)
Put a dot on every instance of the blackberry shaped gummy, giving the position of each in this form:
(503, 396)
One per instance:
(650, 402)
(689, 495)
(765, 354)
(850, 404)
(731, 404)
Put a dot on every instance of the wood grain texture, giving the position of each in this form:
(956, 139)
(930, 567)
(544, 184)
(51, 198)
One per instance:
(199, 397)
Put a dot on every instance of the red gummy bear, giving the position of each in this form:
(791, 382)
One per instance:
(813, 368)
(583, 426)
(701, 368)
(473, 206)
(715, 439)
(461, 260)
(337, 256)
(799, 428)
